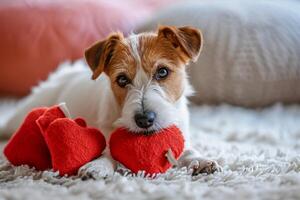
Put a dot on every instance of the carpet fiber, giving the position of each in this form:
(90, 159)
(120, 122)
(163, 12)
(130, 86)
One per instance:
(258, 149)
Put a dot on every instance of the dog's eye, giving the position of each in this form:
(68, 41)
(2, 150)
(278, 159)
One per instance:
(122, 80)
(161, 73)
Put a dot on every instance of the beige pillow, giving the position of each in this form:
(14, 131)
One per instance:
(251, 54)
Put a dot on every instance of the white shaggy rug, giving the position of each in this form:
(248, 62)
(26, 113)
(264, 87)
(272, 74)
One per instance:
(258, 149)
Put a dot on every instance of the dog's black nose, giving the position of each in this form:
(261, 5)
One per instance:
(145, 119)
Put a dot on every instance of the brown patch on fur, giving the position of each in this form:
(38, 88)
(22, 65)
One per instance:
(99, 54)
(158, 52)
(122, 62)
(187, 38)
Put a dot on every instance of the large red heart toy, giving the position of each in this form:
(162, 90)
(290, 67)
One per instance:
(27, 145)
(147, 153)
(48, 139)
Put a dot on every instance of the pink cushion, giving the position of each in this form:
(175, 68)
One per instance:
(35, 36)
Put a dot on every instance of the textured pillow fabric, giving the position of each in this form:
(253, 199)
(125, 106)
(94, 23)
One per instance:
(36, 35)
(251, 53)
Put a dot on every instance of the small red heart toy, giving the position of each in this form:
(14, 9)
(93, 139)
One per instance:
(48, 139)
(74, 146)
(146, 152)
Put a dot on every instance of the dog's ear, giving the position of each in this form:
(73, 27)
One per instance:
(99, 54)
(187, 38)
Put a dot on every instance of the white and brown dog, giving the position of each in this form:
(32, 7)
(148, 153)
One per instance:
(141, 83)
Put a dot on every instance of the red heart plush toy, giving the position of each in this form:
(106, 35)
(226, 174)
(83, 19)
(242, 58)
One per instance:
(27, 145)
(146, 152)
(74, 146)
(48, 139)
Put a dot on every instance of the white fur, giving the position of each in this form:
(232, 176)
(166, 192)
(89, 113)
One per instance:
(133, 42)
(92, 100)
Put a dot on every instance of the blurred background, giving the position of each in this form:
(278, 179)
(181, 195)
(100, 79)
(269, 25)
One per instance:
(251, 54)
(248, 70)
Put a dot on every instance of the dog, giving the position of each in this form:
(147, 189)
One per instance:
(140, 83)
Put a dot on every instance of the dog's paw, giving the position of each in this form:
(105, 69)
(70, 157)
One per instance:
(97, 169)
(199, 166)
(96, 173)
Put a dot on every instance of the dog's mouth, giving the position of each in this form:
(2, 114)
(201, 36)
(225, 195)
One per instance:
(148, 132)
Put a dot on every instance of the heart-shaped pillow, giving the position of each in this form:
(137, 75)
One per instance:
(146, 152)
(72, 144)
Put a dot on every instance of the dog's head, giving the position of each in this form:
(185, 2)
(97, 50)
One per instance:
(147, 73)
